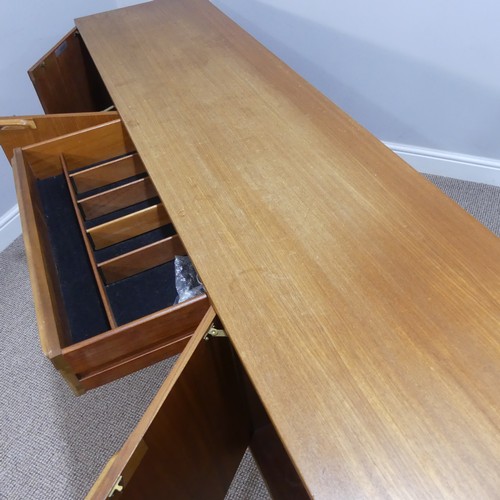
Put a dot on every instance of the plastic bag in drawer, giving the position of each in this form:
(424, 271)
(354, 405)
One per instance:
(187, 281)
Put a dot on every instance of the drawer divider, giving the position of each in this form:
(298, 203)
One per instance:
(141, 259)
(117, 198)
(129, 226)
(90, 253)
(107, 172)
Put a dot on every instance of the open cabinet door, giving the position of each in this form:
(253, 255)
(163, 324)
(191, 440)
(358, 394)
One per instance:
(66, 79)
(193, 435)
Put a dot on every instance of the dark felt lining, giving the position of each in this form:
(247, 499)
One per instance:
(143, 293)
(84, 309)
(130, 298)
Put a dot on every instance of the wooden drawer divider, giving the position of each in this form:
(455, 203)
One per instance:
(121, 228)
(117, 198)
(142, 259)
(102, 291)
(108, 172)
(128, 226)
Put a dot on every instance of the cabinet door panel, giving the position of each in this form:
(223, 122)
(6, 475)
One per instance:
(66, 79)
(194, 433)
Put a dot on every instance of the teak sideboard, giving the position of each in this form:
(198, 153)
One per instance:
(349, 333)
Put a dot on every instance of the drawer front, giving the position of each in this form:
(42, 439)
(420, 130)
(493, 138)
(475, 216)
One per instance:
(101, 251)
(66, 79)
(136, 345)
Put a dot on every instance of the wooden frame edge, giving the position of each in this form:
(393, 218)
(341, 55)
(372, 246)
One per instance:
(48, 329)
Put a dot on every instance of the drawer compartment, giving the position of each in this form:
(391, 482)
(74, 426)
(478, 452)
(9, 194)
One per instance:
(101, 252)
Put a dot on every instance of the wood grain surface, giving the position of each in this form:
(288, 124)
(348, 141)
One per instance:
(80, 149)
(363, 303)
(117, 198)
(49, 306)
(128, 226)
(108, 172)
(139, 336)
(141, 259)
(195, 430)
(48, 127)
(66, 79)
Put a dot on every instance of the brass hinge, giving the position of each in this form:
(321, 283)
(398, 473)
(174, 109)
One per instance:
(117, 487)
(215, 332)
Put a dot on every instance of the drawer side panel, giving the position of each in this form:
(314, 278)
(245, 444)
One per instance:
(48, 304)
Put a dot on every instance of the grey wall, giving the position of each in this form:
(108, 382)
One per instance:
(424, 73)
(28, 29)
(126, 3)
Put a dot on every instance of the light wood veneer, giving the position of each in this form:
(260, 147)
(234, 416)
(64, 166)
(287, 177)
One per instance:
(364, 304)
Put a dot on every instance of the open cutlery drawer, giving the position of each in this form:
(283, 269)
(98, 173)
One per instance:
(101, 249)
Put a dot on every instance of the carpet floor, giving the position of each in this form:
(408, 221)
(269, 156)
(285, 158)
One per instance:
(53, 444)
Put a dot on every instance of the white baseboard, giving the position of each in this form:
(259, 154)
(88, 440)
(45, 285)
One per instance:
(448, 164)
(10, 227)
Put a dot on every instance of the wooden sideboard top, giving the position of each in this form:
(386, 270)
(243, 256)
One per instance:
(364, 304)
